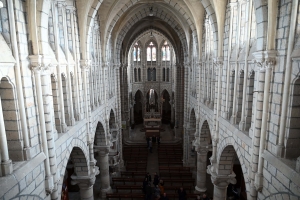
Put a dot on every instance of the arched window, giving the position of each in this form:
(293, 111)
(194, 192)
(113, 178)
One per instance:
(165, 50)
(135, 75)
(136, 52)
(168, 72)
(164, 74)
(151, 52)
(139, 74)
(149, 74)
(154, 74)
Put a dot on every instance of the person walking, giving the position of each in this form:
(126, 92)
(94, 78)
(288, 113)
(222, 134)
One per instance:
(148, 176)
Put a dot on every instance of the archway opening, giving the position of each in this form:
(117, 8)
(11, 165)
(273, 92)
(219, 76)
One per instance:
(229, 163)
(293, 136)
(76, 167)
(138, 108)
(166, 108)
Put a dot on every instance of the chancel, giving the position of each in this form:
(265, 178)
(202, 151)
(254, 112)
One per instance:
(203, 94)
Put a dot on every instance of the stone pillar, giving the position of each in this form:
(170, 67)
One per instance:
(201, 169)
(37, 67)
(85, 184)
(220, 184)
(132, 113)
(104, 168)
(6, 164)
(58, 68)
(77, 103)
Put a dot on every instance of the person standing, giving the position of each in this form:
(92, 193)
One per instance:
(164, 197)
(155, 179)
(181, 194)
(148, 192)
(150, 146)
(148, 176)
(145, 183)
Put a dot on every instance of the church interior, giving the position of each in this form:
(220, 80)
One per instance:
(95, 94)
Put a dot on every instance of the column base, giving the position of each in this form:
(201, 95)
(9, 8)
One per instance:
(6, 168)
(72, 121)
(258, 182)
(233, 119)
(64, 128)
(242, 126)
(279, 150)
(104, 192)
(27, 153)
(211, 105)
(200, 189)
(49, 184)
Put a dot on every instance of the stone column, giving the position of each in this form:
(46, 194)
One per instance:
(70, 111)
(6, 164)
(19, 85)
(104, 168)
(85, 184)
(58, 68)
(220, 184)
(132, 112)
(37, 67)
(201, 169)
(77, 103)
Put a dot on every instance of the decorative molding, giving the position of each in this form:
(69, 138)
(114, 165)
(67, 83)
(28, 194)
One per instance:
(85, 64)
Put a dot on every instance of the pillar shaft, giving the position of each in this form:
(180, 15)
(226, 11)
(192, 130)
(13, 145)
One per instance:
(6, 164)
(201, 171)
(104, 168)
(86, 191)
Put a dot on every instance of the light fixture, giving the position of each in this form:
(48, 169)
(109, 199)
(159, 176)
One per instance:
(151, 11)
(151, 34)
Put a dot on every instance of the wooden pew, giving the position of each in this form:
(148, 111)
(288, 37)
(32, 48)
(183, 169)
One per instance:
(124, 180)
(173, 169)
(133, 173)
(132, 188)
(175, 174)
(124, 196)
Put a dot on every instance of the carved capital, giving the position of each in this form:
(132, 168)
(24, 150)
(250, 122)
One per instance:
(85, 181)
(265, 59)
(218, 62)
(70, 9)
(102, 150)
(85, 64)
(39, 63)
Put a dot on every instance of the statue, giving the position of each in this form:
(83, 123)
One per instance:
(151, 98)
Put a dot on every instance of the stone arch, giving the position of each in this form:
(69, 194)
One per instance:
(157, 31)
(100, 135)
(205, 134)
(112, 119)
(11, 119)
(227, 152)
(261, 8)
(212, 16)
(166, 107)
(162, 15)
(292, 137)
(79, 156)
(138, 107)
(209, 122)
